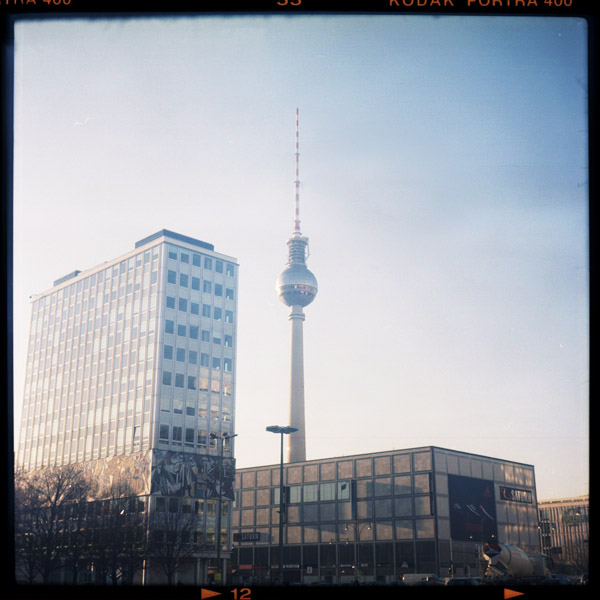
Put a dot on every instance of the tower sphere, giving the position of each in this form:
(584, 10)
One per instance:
(296, 285)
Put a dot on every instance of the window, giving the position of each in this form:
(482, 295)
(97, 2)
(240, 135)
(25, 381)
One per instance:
(164, 432)
(328, 491)
(206, 310)
(166, 379)
(202, 437)
(227, 364)
(422, 506)
(183, 304)
(207, 262)
(229, 293)
(204, 359)
(403, 507)
(172, 252)
(196, 260)
(183, 280)
(218, 289)
(177, 432)
(189, 435)
(217, 313)
(228, 316)
(184, 257)
(169, 326)
(171, 276)
(193, 357)
(178, 406)
(421, 483)
(229, 269)
(205, 335)
(194, 332)
(311, 493)
(219, 266)
(194, 308)
(207, 287)
(168, 352)
(216, 363)
(181, 354)
(170, 301)
(181, 330)
(402, 485)
(191, 382)
(179, 380)
(228, 341)
(196, 283)
(343, 490)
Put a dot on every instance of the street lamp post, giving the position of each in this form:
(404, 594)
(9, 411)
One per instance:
(357, 529)
(224, 436)
(281, 431)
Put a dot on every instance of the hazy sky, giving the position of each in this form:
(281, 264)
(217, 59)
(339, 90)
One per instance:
(444, 191)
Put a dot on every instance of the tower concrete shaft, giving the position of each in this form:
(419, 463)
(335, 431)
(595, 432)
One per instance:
(296, 448)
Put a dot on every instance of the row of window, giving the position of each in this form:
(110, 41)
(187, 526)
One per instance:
(329, 533)
(185, 256)
(190, 436)
(207, 286)
(179, 379)
(200, 506)
(417, 506)
(191, 356)
(217, 315)
(340, 490)
(195, 406)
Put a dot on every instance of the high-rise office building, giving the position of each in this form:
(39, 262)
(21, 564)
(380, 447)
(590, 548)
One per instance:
(131, 373)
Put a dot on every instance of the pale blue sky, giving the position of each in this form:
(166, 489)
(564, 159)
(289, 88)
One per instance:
(444, 192)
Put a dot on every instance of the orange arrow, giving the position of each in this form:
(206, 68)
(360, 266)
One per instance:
(208, 593)
(511, 594)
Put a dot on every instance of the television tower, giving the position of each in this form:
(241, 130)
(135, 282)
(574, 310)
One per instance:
(297, 287)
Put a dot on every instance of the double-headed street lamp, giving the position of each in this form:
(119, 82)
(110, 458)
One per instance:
(224, 436)
(281, 430)
(358, 527)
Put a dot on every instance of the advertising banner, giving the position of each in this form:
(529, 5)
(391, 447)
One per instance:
(472, 509)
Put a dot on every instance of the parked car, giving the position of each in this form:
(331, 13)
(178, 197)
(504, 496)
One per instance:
(420, 579)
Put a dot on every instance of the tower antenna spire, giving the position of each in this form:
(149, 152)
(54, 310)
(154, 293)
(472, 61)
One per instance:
(297, 183)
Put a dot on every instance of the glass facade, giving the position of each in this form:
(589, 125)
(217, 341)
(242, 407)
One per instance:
(565, 533)
(375, 517)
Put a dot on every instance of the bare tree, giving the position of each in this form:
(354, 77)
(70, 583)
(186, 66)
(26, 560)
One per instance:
(43, 500)
(117, 528)
(171, 541)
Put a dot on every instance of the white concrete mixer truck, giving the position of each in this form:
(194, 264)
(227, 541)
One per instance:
(506, 561)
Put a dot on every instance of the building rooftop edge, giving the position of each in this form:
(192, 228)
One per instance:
(139, 244)
(580, 498)
(176, 236)
(347, 456)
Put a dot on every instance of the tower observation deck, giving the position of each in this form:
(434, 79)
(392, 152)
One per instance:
(297, 287)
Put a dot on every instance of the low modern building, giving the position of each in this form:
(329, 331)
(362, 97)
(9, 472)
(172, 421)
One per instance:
(378, 516)
(565, 532)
